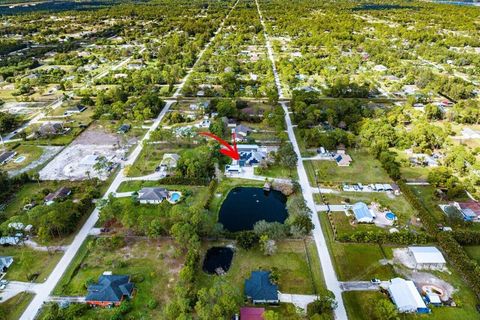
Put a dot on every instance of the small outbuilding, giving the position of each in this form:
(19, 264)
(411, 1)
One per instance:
(427, 257)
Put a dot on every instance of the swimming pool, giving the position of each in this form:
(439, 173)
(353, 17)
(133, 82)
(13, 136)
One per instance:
(175, 196)
(390, 216)
(19, 159)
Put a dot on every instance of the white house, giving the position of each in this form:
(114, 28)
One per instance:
(170, 160)
(468, 133)
(427, 257)
(406, 296)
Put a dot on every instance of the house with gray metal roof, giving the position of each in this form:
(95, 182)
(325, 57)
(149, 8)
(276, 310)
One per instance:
(152, 195)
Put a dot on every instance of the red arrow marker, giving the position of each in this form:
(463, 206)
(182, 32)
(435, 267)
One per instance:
(230, 151)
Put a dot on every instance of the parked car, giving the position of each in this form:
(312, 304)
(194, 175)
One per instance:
(375, 281)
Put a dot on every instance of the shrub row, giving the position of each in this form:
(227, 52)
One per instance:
(211, 191)
(402, 237)
(466, 237)
(185, 181)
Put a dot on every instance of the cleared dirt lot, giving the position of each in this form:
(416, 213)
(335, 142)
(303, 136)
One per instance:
(77, 161)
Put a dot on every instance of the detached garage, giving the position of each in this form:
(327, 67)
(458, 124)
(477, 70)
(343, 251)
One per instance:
(406, 296)
(427, 257)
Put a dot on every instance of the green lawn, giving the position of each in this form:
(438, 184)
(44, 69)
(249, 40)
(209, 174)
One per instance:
(277, 172)
(290, 260)
(363, 169)
(473, 252)
(151, 263)
(359, 304)
(397, 204)
(149, 159)
(30, 153)
(343, 226)
(316, 267)
(355, 261)
(28, 261)
(13, 308)
(36, 191)
(58, 140)
(414, 173)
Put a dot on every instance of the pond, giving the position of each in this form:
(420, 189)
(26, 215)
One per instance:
(218, 260)
(244, 206)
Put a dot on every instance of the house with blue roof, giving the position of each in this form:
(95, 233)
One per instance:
(260, 289)
(110, 290)
(5, 263)
(362, 213)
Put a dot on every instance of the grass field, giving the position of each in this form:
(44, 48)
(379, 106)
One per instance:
(149, 159)
(58, 140)
(13, 308)
(277, 172)
(363, 169)
(151, 263)
(30, 153)
(473, 252)
(290, 260)
(28, 261)
(36, 191)
(355, 261)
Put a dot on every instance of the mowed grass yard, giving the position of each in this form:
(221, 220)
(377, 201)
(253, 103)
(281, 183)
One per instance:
(290, 260)
(30, 153)
(473, 252)
(28, 261)
(356, 261)
(150, 158)
(13, 308)
(151, 263)
(363, 169)
(397, 204)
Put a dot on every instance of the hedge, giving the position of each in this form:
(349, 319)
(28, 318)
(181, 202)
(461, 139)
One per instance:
(402, 237)
(177, 180)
